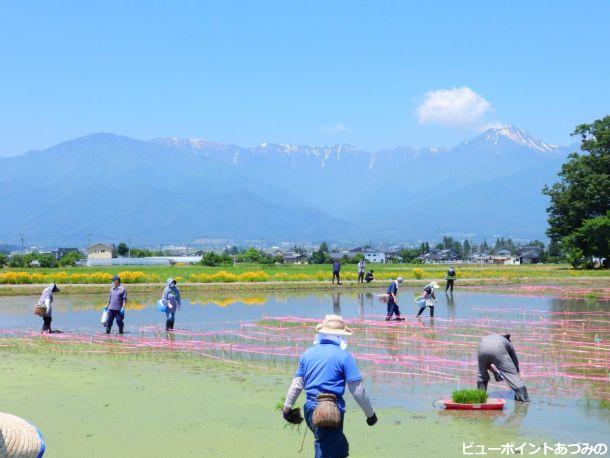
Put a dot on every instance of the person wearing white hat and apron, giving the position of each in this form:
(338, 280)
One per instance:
(427, 299)
(323, 371)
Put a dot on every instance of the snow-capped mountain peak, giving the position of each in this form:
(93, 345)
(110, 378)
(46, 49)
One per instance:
(518, 136)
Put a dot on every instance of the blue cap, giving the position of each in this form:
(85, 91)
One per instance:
(116, 278)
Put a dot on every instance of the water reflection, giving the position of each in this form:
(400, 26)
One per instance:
(451, 306)
(336, 303)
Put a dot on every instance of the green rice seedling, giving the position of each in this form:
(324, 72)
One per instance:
(469, 396)
(294, 417)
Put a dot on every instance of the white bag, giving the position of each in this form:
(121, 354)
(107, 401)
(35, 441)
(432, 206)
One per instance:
(104, 316)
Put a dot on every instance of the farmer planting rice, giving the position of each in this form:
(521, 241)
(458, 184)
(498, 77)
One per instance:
(116, 305)
(427, 298)
(45, 307)
(393, 300)
(323, 371)
(498, 350)
(171, 298)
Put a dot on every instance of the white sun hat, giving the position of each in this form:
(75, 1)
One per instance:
(334, 325)
(435, 285)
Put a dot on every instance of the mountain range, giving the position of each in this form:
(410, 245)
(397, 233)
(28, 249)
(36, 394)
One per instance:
(178, 190)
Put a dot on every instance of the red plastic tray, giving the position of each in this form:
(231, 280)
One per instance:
(491, 404)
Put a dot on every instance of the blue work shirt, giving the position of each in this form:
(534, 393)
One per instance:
(393, 288)
(326, 368)
(117, 297)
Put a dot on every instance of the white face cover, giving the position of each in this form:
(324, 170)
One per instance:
(341, 340)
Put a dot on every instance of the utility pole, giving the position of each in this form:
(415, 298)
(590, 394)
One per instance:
(89, 242)
(129, 249)
(22, 246)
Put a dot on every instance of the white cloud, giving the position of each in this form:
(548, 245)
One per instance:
(457, 106)
(335, 128)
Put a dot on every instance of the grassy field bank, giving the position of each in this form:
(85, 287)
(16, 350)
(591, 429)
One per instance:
(104, 406)
(246, 277)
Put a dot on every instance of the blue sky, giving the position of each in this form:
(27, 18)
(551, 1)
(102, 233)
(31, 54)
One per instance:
(374, 74)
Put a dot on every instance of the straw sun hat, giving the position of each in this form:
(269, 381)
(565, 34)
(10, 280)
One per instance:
(334, 324)
(18, 438)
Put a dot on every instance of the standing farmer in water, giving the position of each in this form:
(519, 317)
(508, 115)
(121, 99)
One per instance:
(498, 350)
(450, 277)
(323, 371)
(171, 298)
(46, 300)
(393, 300)
(336, 271)
(427, 299)
(116, 304)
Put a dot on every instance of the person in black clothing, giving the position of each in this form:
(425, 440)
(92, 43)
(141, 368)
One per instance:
(450, 277)
(369, 276)
(336, 270)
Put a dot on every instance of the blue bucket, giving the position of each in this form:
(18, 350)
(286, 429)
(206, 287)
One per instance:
(161, 307)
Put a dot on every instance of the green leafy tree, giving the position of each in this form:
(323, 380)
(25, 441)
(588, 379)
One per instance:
(554, 252)
(16, 261)
(466, 248)
(323, 247)
(46, 260)
(69, 259)
(448, 242)
(354, 259)
(211, 259)
(582, 193)
(410, 255)
(251, 255)
(3, 260)
(592, 239)
(319, 257)
(122, 249)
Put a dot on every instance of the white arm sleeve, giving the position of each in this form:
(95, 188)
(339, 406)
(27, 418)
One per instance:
(47, 303)
(293, 392)
(359, 392)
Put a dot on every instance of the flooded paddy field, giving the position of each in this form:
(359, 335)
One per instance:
(243, 349)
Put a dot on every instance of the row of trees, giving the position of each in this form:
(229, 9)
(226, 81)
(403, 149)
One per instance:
(250, 255)
(39, 260)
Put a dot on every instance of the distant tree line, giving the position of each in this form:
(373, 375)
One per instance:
(122, 249)
(46, 260)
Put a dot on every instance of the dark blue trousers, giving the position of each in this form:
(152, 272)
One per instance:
(327, 442)
(112, 315)
(393, 309)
